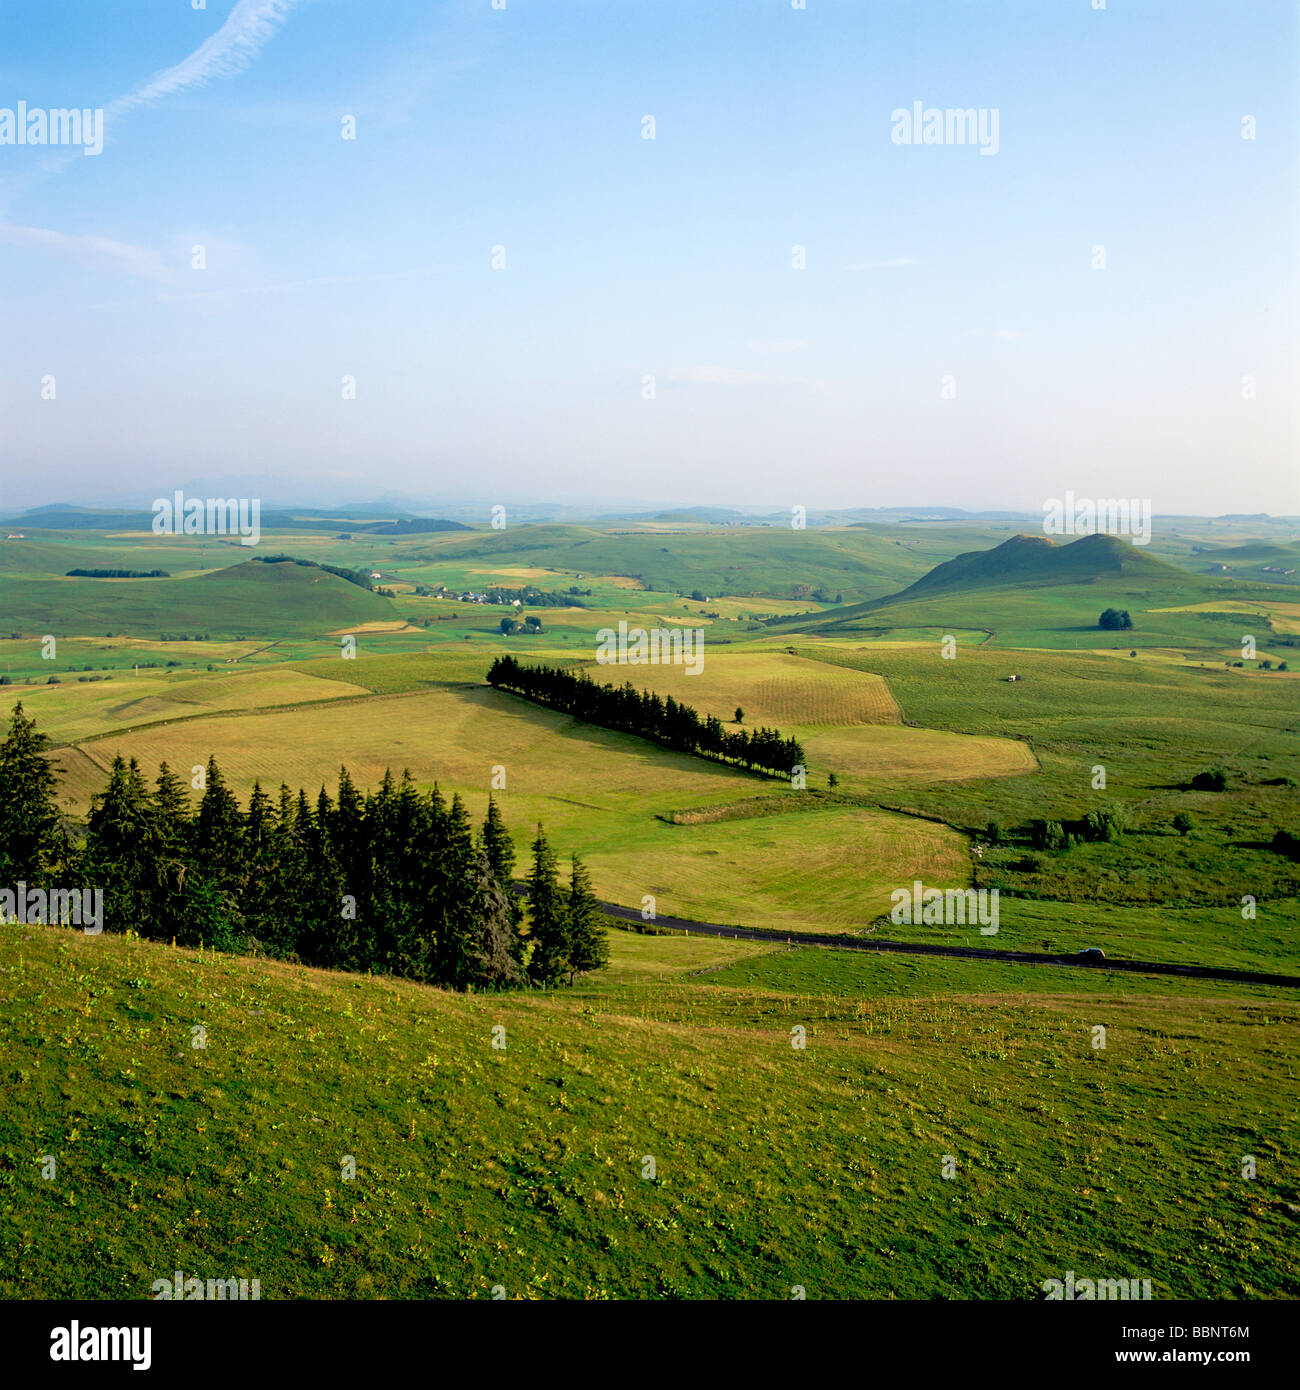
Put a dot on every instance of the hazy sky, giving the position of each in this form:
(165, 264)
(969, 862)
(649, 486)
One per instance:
(628, 258)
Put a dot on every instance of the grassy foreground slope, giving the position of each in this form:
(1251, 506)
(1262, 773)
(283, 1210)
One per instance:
(522, 1167)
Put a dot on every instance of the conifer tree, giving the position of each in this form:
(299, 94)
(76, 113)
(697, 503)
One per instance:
(495, 947)
(588, 940)
(547, 917)
(30, 843)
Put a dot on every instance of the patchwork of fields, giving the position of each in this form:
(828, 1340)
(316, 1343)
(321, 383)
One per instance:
(820, 1166)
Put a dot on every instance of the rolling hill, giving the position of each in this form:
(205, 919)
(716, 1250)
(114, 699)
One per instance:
(248, 599)
(1031, 591)
(1040, 560)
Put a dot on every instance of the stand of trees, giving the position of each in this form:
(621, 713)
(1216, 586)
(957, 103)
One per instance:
(118, 574)
(396, 882)
(642, 712)
(1115, 619)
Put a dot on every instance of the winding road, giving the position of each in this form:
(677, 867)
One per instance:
(912, 948)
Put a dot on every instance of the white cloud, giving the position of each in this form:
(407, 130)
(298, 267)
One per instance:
(96, 251)
(247, 30)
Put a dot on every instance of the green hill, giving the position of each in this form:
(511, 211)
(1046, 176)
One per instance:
(525, 1166)
(744, 560)
(1030, 591)
(1040, 560)
(252, 599)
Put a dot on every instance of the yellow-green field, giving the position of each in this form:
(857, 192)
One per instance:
(599, 793)
(772, 687)
(69, 712)
(827, 870)
(901, 753)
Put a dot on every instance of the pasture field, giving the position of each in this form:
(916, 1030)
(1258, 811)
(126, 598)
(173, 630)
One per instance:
(1188, 614)
(247, 600)
(21, 658)
(71, 712)
(1214, 936)
(599, 794)
(774, 1166)
(773, 687)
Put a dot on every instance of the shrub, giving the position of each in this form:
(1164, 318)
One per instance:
(1115, 619)
(1047, 834)
(1212, 780)
(1106, 824)
(1183, 823)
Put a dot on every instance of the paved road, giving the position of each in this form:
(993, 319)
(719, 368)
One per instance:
(913, 948)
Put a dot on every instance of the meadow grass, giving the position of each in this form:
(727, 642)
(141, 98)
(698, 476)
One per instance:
(775, 1166)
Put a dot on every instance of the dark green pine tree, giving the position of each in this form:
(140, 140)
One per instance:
(588, 940)
(212, 885)
(455, 914)
(495, 948)
(409, 875)
(172, 825)
(350, 844)
(495, 842)
(547, 917)
(218, 831)
(30, 843)
(171, 803)
(120, 842)
(258, 865)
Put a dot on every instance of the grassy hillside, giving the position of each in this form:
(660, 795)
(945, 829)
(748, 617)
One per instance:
(1027, 560)
(523, 1167)
(245, 599)
(1032, 592)
(732, 560)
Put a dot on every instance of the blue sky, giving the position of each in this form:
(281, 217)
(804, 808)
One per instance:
(671, 258)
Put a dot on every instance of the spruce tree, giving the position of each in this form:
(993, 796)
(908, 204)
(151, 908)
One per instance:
(30, 843)
(547, 916)
(588, 940)
(495, 947)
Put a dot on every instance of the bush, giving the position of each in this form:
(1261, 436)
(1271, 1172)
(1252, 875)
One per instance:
(1285, 842)
(1047, 834)
(1115, 619)
(1183, 823)
(1212, 780)
(1109, 823)
(993, 832)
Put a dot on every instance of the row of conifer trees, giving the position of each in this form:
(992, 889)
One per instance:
(664, 721)
(395, 881)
